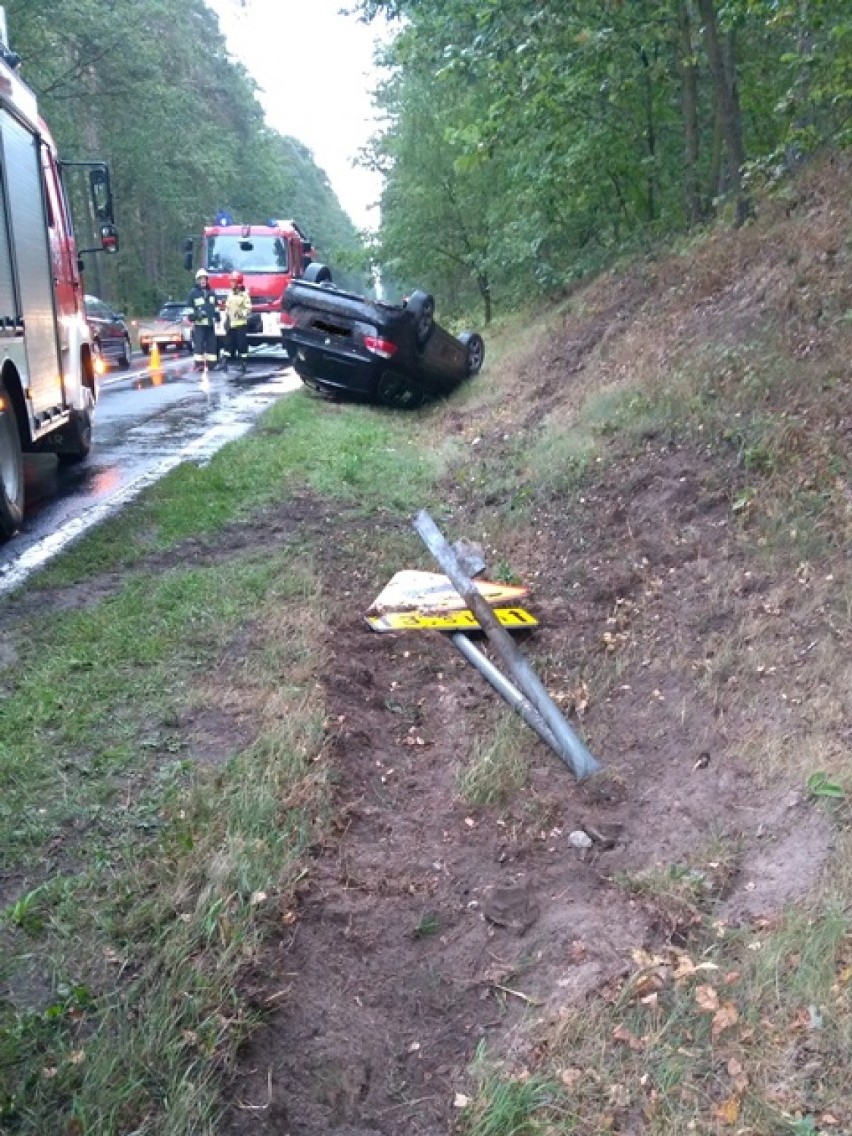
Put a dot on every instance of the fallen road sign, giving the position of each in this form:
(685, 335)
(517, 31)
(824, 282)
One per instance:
(432, 592)
(514, 618)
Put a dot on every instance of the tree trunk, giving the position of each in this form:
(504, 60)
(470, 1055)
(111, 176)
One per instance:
(723, 73)
(694, 206)
(650, 137)
(485, 293)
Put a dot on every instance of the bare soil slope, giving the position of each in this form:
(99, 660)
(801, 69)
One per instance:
(705, 659)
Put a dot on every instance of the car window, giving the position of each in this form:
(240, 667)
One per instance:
(96, 308)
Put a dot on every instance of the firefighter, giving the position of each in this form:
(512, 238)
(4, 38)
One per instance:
(204, 317)
(237, 312)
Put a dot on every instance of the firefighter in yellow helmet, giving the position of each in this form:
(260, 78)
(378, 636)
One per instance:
(237, 312)
(204, 317)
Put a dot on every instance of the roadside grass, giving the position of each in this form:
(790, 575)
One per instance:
(355, 455)
(495, 768)
(747, 1030)
(148, 875)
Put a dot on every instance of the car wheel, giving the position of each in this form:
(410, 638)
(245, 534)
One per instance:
(475, 348)
(124, 357)
(422, 308)
(399, 391)
(11, 468)
(317, 274)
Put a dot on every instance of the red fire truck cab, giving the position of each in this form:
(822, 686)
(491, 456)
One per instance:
(48, 387)
(268, 256)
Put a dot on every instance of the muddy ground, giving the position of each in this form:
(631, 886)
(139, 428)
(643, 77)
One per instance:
(427, 927)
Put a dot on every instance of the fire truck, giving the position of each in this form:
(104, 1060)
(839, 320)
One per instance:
(48, 387)
(268, 256)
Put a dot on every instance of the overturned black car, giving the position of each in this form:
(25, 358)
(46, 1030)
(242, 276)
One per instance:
(395, 354)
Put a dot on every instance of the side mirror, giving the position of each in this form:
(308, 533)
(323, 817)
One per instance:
(101, 193)
(188, 253)
(109, 238)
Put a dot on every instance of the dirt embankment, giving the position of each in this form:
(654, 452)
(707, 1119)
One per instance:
(693, 654)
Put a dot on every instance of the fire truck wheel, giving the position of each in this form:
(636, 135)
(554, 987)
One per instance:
(80, 441)
(11, 468)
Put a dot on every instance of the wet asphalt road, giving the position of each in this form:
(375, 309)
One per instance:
(146, 423)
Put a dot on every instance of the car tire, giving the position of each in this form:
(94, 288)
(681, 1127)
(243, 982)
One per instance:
(399, 391)
(317, 274)
(475, 348)
(11, 468)
(124, 357)
(422, 308)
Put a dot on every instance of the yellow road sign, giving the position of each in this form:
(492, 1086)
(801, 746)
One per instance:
(464, 620)
(430, 592)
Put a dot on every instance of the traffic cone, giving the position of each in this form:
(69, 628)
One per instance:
(155, 357)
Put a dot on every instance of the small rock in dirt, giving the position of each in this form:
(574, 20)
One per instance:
(607, 835)
(512, 906)
(579, 839)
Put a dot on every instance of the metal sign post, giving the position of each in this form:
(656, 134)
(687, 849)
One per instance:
(527, 694)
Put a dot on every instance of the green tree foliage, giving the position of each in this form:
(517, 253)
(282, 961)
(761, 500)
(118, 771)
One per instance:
(529, 140)
(148, 86)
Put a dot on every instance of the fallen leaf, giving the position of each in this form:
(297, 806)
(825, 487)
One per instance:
(648, 984)
(685, 967)
(729, 1111)
(623, 1034)
(706, 999)
(570, 1077)
(726, 1016)
(737, 1075)
(577, 952)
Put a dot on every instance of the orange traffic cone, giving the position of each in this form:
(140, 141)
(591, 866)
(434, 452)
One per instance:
(155, 357)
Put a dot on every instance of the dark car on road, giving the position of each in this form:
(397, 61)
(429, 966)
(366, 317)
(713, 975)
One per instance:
(342, 343)
(110, 334)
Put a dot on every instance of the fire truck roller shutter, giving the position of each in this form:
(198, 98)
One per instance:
(9, 314)
(22, 162)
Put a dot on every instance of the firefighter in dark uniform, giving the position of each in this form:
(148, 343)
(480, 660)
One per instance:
(237, 312)
(204, 316)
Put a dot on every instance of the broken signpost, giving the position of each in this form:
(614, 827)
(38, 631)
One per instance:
(455, 603)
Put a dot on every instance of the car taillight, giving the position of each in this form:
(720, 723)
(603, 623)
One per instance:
(287, 320)
(383, 347)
